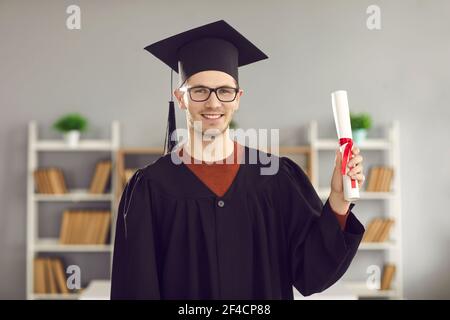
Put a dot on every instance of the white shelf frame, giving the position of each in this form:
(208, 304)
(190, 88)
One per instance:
(36, 245)
(391, 152)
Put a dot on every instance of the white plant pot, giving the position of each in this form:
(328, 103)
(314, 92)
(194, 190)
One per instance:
(72, 138)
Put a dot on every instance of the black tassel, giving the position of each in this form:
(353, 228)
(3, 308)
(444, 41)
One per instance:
(171, 127)
(171, 124)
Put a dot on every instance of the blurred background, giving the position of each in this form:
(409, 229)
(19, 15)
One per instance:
(58, 196)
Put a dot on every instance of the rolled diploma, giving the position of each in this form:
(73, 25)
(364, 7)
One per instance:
(341, 114)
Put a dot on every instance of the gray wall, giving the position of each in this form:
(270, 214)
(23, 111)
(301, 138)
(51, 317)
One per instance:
(400, 72)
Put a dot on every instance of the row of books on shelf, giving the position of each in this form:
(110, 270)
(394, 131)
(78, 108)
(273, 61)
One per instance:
(380, 179)
(49, 276)
(85, 227)
(51, 180)
(378, 230)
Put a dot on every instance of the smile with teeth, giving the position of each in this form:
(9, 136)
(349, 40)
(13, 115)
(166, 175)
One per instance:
(211, 115)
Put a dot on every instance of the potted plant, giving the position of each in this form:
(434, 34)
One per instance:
(360, 124)
(71, 125)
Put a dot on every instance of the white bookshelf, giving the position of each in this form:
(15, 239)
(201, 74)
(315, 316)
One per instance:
(37, 245)
(389, 146)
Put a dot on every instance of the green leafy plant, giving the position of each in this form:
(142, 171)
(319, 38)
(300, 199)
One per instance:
(360, 121)
(233, 124)
(72, 121)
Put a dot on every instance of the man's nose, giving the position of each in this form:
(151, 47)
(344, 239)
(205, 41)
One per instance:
(213, 101)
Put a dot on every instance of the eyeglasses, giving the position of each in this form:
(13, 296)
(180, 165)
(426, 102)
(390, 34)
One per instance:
(202, 93)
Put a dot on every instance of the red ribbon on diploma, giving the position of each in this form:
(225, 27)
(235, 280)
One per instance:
(345, 159)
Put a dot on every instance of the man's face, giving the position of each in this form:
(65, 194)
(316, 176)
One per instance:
(213, 114)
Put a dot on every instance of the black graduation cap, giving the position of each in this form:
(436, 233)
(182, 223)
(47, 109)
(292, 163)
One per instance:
(214, 46)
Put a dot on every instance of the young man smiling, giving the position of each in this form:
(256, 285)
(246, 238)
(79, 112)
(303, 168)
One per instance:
(209, 113)
(205, 227)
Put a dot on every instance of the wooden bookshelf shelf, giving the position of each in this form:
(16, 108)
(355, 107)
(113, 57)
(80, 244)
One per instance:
(365, 195)
(54, 296)
(73, 195)
(53, 245)
(84, 145)
(369, 144)
(361, 289)
(389, 245)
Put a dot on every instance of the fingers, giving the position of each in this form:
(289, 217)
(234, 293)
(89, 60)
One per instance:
(360, 178)
(355, 161)
(355, 165)
(356, 176)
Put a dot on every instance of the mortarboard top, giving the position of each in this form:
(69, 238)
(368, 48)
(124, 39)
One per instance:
(211, 45)
(214, 46)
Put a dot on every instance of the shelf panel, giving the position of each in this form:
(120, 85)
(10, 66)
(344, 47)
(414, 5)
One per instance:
(53, 245)
(368, 144)
(362, 291)
(364, 195)
(74, 195)
(83, 145)
(55, 296)
(388, 245)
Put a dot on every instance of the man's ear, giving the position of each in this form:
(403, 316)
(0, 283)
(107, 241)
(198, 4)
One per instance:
(238, 97)
(179, 96)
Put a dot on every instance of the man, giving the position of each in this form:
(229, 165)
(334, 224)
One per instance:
(201, 229)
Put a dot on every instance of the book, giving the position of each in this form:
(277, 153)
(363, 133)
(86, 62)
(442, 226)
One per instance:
(387, 276)
(368, 231)
(60, 276)
(50, 276)
(92, 228)
(46, 182)
(63, 234)
(388, 182)
(101, 177)
(105, 224)
(96, 178)
(39, 276)
(39, 188)
(372, 179)
(54, 181)
(371, 234)
(77, 232)
(380, 177)
(106, 173)
(62, 180)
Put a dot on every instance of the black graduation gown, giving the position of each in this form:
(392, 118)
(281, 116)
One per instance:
(175, 239)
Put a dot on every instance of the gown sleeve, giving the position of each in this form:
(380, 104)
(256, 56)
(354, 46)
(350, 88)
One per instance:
(134, 268)
(319, 250)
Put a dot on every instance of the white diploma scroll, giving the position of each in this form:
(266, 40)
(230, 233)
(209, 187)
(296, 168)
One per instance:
(341, 114)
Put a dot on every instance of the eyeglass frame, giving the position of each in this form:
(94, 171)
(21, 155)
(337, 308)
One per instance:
(188, 89)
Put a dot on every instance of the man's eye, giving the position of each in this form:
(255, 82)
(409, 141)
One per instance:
(200, 90)
(225, 91)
